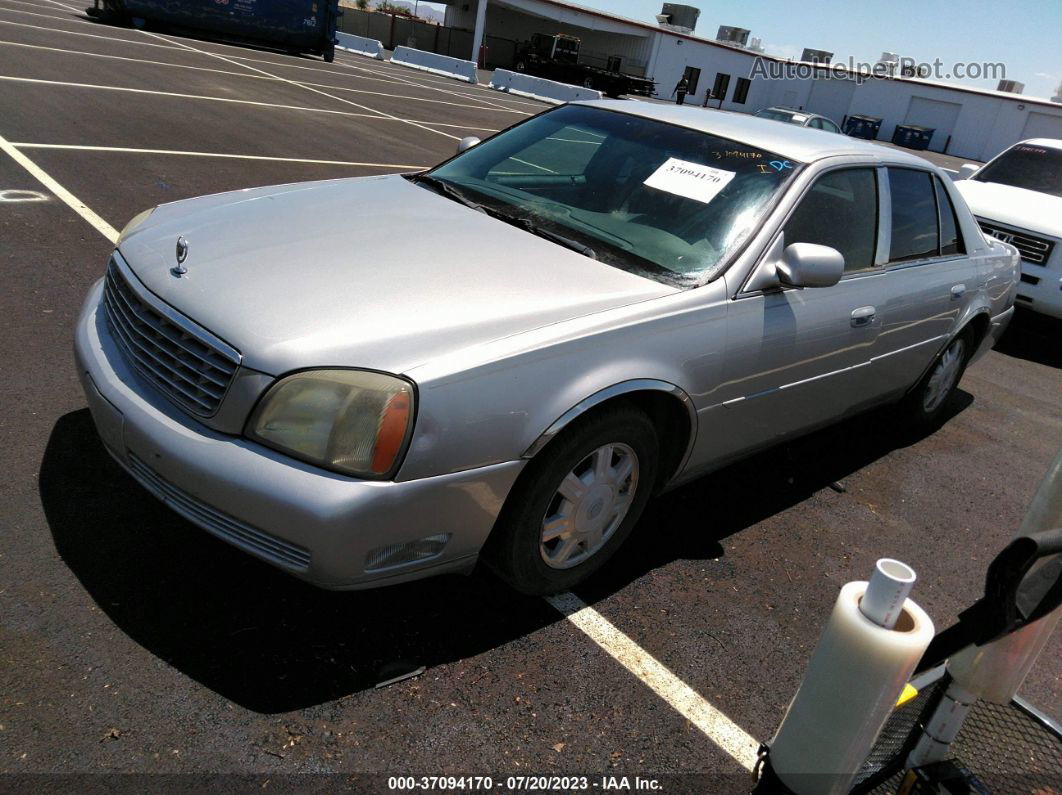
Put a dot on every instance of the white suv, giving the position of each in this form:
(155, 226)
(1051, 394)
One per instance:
(1017, 197)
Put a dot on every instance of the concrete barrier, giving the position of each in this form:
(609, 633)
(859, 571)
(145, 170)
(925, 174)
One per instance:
(540, 88)
(371, 48)
(436, 64)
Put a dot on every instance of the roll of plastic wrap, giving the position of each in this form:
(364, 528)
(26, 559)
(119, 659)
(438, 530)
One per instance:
(855, 676)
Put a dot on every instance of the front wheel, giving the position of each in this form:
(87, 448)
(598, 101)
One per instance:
(928, 401)
(588, 82)
(576, 503)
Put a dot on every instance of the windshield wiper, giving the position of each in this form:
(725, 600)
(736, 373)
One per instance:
(447, 189)
(535, 229)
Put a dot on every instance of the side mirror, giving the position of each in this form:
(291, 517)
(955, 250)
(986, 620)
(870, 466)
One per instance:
(967, 170)
(466, 143)
(810, 265)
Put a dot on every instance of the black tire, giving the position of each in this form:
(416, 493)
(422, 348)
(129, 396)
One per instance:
(516, 551)
(588, 82)
(520, 66)
(925, 405)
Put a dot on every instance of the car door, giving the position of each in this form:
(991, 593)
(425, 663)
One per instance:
(798, 357)
(929, 277)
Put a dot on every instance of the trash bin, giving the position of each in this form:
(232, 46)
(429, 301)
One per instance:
(295, 25)
(862, 127)
(912, 136)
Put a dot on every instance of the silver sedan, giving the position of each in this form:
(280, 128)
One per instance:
(364, 381)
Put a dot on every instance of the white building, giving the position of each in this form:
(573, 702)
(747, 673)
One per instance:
(968, 122)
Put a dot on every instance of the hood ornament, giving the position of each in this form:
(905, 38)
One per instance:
(179, 270)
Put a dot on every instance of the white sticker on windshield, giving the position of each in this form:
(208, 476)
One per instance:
(692, 180)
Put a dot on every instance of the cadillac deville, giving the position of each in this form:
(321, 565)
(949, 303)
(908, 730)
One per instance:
(364, 381)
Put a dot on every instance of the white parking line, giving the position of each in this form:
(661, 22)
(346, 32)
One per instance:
(394, 76)
(72, 201)
(313, 90)
(722, 731)
(371, 116)
(183, 153)
(56, 16)
(88, 35)
(84, 53)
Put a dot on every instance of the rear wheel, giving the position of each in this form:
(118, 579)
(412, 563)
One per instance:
(588, 82)
(576, 503)
(520, 66)
(928, 401)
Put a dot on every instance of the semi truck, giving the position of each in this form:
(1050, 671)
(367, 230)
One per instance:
(556, 57)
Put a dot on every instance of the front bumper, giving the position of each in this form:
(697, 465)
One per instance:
(317, 525)
(1041, 287)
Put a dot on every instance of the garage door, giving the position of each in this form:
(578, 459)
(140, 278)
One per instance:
(831, 98)
(933, 113)
(1043, 125)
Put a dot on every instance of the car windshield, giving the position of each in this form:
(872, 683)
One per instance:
(1037, 168)
(665, 202)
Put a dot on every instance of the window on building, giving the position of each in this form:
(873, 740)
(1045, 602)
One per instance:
(722, 83)
(914, 215)
(741, 90)
(951, 241)
(840, 211)
(692, 76)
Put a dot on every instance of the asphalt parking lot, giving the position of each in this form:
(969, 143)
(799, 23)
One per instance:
(132, 642)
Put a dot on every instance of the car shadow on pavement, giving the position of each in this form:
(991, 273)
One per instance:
(1034, 338)
(689, 522)
(271, 643)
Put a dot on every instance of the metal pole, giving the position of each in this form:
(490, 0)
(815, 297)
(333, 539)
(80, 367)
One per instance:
(477, 37)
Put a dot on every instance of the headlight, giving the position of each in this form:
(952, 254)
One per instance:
(353, 421)
(131, 227)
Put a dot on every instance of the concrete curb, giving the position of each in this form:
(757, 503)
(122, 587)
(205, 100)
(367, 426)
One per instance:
(359, 45)
(436, 64)
(539, 88)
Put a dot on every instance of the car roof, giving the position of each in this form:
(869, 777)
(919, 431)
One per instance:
(788, 140)
(1050, 143)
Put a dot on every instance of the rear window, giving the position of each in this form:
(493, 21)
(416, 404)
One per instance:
(914, 215)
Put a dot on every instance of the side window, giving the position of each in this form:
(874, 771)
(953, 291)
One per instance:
(840, 211)
(829, 126)
(815, 124)
(914, 215)
(950, 237)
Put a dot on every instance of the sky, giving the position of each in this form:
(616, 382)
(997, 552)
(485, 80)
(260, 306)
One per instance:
(1024, 35)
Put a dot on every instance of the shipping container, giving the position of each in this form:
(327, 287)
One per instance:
(294, 25)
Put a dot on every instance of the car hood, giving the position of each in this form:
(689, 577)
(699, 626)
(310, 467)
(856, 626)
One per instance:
(374, 272)
(1024, 209)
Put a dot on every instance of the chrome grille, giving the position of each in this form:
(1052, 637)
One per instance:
(179, 359)
(1032, 249)
(226, 527)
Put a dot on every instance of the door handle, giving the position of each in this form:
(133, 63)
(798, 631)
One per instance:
(958, 291)
(863, 316)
